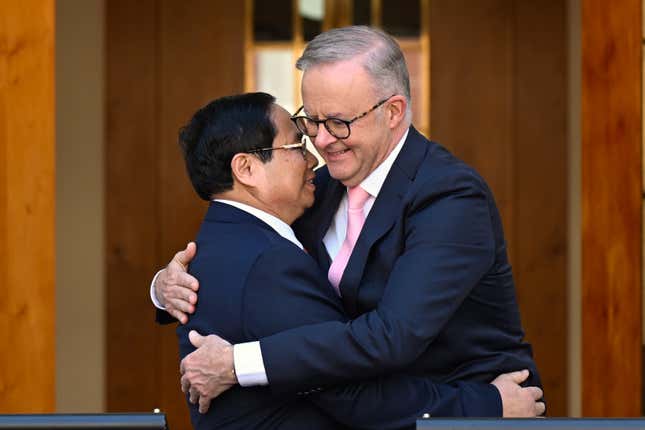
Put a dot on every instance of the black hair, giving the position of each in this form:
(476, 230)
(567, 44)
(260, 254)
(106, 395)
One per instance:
(221, 129)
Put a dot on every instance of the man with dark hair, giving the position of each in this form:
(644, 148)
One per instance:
(410, 237)
(244, 155)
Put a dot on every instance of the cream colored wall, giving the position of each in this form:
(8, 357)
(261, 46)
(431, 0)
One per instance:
(79, 213)
(574, 208)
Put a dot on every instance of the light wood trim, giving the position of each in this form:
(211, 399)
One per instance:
(376, 10)
(426, 52)
(27, 193)
(611, 208)
(298, 46)
(249, 48)
(346, 13)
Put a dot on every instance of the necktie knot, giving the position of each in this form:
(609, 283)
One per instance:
(357, 197)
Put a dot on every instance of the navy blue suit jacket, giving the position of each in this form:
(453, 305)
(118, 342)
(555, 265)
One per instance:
(253, 284)
(428, 285)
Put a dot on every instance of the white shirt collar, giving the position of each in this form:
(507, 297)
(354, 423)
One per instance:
(374, 181)
(281, 227)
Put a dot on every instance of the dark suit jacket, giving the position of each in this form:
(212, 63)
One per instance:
(428, 285)
(254, 283)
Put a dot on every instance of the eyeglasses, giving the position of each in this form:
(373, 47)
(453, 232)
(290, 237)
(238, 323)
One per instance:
(339, 128)
(302, 146)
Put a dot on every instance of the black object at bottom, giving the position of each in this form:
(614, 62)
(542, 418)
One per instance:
(84, 421)
(534, 423)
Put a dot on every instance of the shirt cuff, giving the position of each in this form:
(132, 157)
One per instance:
(249, 365)
(153, 296)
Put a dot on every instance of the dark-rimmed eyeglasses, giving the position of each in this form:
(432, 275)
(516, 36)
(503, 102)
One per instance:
(302, 146)
(339, 128)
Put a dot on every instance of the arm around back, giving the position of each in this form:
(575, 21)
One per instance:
(285, 289)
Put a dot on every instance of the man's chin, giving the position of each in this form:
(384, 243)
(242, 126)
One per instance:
(309, 203)
(345, 173)
(339, 173)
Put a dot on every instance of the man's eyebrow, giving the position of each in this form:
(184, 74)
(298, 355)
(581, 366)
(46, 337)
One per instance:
(335, 115)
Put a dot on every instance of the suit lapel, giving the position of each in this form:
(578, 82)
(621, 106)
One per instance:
(383, 214)
(328, 208)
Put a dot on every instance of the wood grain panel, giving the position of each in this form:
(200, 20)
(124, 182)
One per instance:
(201, 58)
(27, 193)
(133, 371)
(540, 188)
(472, 91)
(498, 102)
(611, 208)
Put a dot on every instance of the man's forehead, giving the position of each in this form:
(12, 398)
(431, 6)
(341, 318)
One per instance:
(335, 100)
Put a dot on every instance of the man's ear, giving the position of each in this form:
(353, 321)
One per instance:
(396, 109)
(244, 168)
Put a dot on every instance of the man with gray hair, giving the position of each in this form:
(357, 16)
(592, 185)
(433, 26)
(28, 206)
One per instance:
(411, 240)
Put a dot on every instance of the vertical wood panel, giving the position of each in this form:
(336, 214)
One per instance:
(472, 91)
(611, 208)
(165, 60)
(540, 166)
(133, 371)
(498, 102)
(27, 368)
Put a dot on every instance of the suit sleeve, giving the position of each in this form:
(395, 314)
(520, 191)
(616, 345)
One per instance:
(163, 317)
(448, 247)
(397, 401)
(285, 289)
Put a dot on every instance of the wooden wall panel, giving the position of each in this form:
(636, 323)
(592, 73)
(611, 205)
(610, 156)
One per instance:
(165, 60)
(132, 220)
(498, 102)
(472, 90)
(611, 208)
(201, 58)
(27, 180)
(540, 188)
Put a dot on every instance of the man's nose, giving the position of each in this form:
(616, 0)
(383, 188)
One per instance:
(323, 138)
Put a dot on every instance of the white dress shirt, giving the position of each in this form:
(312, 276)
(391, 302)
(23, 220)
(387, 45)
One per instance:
(249, 365)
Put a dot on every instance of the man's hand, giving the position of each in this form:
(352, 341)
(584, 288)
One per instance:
(175, 289)
(518, 401)
(208, 371)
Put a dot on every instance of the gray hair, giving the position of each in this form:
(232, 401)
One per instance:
(382, 57)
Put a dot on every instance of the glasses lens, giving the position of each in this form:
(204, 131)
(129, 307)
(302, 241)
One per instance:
(337, 128)
(306, 126)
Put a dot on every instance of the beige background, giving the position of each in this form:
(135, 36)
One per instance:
(80, 300)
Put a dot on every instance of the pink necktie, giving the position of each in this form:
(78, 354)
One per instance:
(355, 219)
